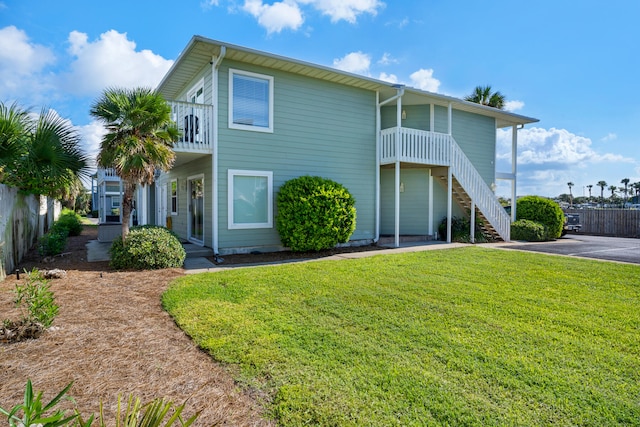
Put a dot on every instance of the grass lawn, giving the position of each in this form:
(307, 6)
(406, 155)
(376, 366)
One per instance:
(467, 336)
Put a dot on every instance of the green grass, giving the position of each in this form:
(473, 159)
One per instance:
(467, 336)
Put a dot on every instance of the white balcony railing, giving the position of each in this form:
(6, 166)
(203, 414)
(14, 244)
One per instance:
(438, 149)
(195, 123)
(108, 174)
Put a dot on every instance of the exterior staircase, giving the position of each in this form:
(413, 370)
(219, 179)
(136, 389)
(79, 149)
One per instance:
(437, 149)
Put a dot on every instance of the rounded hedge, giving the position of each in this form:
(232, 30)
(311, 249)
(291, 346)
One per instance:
(147, 248)
(544, 211)
(314, 213)
(69, 220)
(527, 230)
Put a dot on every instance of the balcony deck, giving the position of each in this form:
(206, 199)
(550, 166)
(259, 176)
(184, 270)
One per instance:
(195, 123)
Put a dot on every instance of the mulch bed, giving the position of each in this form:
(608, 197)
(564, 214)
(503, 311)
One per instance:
(112, 337)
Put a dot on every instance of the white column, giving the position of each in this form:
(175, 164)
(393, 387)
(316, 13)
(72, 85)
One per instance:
(472, 232)
(449, 202)
(514, 169)
(376, 236)
(449, 119)
(397, 167)
(430, 203)
(432, 118)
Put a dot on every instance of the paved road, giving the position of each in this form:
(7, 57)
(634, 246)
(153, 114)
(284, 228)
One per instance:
(598, 247)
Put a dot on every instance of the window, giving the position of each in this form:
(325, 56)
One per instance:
(115, 202)
(250, 199)
(174, 197)
(250, 101)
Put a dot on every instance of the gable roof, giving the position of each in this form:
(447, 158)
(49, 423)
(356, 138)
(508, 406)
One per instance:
(200, 51)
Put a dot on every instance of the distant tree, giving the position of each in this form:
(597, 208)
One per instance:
(613, 190)
(139, 139)
(636, 187)
(570, 184)
(602, 185)
(625, 181)
(590, 186)
(483, 95)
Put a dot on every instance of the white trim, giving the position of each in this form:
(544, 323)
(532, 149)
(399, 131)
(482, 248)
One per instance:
(194, 92)
(253, 128)
(173, 213)
(266, 174)
(190, 210)
(215, 101)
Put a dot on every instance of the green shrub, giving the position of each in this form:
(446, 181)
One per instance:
(531, 231)
(53, 242)
(69, 220)
(314, 213)
(544, 211)
(36, 299)
(147, 248)
(460, 230)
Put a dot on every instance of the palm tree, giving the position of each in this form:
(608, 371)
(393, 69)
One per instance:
(139, 139)
(636, 187)
(613, 190)
(483, 95)
(39, 155)
(625, 181)
(590, 186)
(570, 184)
(602, 185)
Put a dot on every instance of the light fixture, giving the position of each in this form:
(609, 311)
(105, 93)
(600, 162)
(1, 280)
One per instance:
(402, 187)
(404, 114)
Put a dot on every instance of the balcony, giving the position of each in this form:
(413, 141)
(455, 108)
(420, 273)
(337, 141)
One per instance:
(195, 123)
(415, 146)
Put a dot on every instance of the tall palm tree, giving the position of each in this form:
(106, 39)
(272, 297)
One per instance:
(40, 155)
(570, 184)
(590, 186)
(602, 185)
(139, 139)
(613, 190)
(625, 181)
(636, 187)
(483, 95)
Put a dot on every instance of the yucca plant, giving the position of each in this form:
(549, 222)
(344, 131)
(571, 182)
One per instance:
(34, 413)
(152, 414)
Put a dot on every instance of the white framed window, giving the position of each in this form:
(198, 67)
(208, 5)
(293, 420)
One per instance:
(250, 199)
(173, 188)
(115, 202)
(250, 101)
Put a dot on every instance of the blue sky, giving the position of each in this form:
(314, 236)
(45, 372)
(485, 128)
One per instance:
(573, 65)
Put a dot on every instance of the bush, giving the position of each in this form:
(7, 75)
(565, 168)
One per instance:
(69, 220)
(460, 230)
(53, 242)
(314, 213)
(147, 248)
(531, 231)
(544, 211)
(36, 299)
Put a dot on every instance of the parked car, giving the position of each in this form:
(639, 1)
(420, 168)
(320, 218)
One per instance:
(571, 223)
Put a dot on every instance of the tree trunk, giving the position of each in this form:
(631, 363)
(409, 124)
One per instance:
(127, 204)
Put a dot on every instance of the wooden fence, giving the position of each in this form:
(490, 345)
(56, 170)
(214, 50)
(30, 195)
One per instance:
(609, 222)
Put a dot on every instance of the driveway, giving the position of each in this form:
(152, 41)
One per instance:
(580, 245)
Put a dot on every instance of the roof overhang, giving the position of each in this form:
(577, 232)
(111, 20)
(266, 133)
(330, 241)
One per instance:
(201, 51)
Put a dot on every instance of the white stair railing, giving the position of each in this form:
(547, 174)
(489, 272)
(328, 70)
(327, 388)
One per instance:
(433, 148)
(479, 192)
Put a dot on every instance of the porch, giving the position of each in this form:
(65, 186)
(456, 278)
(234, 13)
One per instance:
(195, 124)
(456, 173)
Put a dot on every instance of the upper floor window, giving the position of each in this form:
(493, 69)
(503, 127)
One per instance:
(250, 101)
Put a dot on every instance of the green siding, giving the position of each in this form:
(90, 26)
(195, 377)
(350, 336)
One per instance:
(418, 116)
(320, 128)
(476, 135)
(414, 201)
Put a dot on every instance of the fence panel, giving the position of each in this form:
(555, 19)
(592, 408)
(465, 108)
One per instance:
(609, 222)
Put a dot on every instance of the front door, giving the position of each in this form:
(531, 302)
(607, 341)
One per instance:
(195, 225)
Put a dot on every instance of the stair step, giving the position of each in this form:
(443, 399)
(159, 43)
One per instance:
(195, 251)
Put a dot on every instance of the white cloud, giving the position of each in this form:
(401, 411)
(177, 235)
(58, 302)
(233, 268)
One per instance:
(20, 61)
(354, 62)
(91, 137)
(387, 59)
(609, 137)
(513, 105)
(112, 60)
(347, 10)
(423, 79)
(391, 78)
(277, 16)
(287, 14)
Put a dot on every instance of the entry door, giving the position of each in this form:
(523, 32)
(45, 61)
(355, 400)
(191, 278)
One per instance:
(195, 228)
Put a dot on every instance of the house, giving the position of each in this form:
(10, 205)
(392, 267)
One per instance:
(252, 120)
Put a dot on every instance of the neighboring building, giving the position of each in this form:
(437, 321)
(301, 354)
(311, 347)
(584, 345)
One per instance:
(251, 120)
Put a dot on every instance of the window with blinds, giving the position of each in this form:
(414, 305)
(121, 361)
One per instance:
(251, 101)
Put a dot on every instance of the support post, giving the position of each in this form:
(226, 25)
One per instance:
(449, 202)
(397, 170)
(514, 169)
(472, 226)
(430, 202)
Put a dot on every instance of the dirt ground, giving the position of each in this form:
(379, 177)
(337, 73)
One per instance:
(112, 337)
